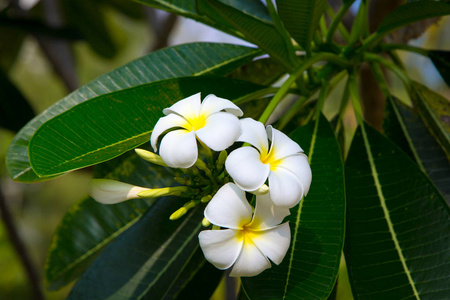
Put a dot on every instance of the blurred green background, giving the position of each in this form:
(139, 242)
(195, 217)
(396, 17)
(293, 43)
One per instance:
(37, 208)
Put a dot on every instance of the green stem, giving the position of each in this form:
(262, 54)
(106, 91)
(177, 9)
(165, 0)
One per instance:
(323, 26)
(389, 47)
(354, 95)
(321, 99)
(291, 112)
(342, 107)
(342, 30)
(370, 57)
(257, 94)
(283, 32)
(337, 20)
(298, 72)
(379, 76)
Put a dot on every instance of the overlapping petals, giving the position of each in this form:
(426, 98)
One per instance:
(284, 165)
(214, 122)
(249, 241)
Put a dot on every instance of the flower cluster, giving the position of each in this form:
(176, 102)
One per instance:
(268, 165)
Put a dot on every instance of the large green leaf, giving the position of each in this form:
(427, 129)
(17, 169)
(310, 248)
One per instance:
(147, 260)
(311, 265)
(187, 8)
(89, 226)
(301, 18)
(435, 111)
(106, 126)
(185, 60)
(398, 228)
(404, 127)
(413, 12)
(441, 60)
(255, 30)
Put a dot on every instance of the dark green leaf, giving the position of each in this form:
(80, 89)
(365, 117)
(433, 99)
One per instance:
(413, 12)
(311, 265)
(10, 50)
(89, 226)
(301, 18)
(109, 125)
(251, 7)
(147, 259)
(398, 228)
(255, 30)
(441, 60)
(185, 60)
(404, 126)
(435, 112)
(15, 111)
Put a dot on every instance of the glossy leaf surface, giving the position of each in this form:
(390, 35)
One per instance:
(435, 111)
(185, 60)
(398, 228)
(301, 18)
(151, 255)
(311, 264)
(111, 124)
(255, 30)
(89, 226)
(404, 127)
(413, 12)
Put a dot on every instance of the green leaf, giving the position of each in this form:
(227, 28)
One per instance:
(404, 127)
(255, 30)
(15, 111)
(89, 226)
(105, 127)
(412, 12)
(301, 18)
(441, 60)
(185, 60)
(435, 112)
(398, 229)
(87, 17)
(311, 265)
(147, 260)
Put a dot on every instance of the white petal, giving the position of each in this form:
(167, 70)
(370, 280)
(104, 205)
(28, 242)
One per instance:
(220, 131)
(250, 262)
(298, 164)
(188, 107)
(229, 208)
(246, 169)
(285, 188)
(212, 104)
(253, 132)
(282, 145)
(267, 215)
(179, 149)
(221, 247)
(163, 124)
(274, 242)
(110, 191)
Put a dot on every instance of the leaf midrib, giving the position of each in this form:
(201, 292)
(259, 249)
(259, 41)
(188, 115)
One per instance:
(386, 211)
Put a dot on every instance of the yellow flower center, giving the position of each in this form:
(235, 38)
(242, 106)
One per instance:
(196, 122)
(269, 158)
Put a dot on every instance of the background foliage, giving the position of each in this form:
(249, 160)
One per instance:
(391, 235)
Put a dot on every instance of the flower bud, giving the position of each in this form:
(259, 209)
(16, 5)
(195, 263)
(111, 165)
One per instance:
(168, 191)
(150, 157)
(221, 159)
(108, 191)
(205, 222)
(178, 213)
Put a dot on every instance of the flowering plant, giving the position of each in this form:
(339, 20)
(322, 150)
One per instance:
(259, 161)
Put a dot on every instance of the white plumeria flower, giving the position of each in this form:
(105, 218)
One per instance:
(248, 243)
(108, 191)
(284, 164)
(213, 121)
